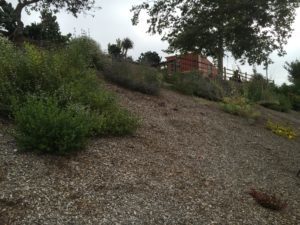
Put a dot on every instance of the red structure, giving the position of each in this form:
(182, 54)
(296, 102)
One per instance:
(191, 62)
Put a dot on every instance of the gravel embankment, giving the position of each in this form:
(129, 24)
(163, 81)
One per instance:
(189, 163)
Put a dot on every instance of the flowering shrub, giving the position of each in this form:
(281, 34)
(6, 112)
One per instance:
(281, 130)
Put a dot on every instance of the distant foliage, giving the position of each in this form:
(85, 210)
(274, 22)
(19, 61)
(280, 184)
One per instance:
(293, 69)
(281, 130)
(135, 77)
(193, 83)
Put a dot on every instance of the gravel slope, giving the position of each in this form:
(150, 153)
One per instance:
(189, 163)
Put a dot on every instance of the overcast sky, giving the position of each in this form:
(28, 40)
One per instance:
(114, 21)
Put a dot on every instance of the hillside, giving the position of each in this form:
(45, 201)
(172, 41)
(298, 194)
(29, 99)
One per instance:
(188, 163)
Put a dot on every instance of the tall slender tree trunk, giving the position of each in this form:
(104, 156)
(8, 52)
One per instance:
(220, 65)
(18, 33)
(220, 56)
(125, 54)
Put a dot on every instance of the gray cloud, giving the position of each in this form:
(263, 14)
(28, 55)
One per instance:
(114, 21)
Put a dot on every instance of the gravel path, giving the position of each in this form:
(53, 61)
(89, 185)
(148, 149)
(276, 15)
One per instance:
(189, 163)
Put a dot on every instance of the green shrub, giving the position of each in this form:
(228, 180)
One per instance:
(239, 106)
(116, 121)
(194, 83)
(295, 101)
(60, 79)
(260, 91)
(257, 88)
(231, 88)
(140, 78)
(85, 49)
(43, 126)
(35, 70)
(87, 91)
(9, 56)
(281, 104)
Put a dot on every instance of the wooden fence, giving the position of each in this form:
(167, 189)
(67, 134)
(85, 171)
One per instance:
(208, 69)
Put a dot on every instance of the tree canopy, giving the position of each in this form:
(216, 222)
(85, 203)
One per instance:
(48, 29)
(74, 7)
(120, 49)
(8, 23)
(149, 58)
(126, 45)
(114, 50)
(293, 69)
(249, 30)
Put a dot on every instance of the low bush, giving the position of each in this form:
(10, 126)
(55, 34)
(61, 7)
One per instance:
(193, 83)
(281, 104)
(239, 106)
(43, 126)
(87, 91)
(281, 130)
(116, 121)
(140, 78)
(267, 201)
(295, 101)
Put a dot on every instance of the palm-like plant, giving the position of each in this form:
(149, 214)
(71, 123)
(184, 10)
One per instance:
(126, 45)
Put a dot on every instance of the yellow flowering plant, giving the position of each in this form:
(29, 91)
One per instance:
(281, 130)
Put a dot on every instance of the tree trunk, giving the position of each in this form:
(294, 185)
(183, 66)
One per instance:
(220, 55)
(18, 33)
(220, 63)
(125, 54)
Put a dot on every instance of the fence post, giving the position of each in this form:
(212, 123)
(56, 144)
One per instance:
(224, 73)
(246, 76)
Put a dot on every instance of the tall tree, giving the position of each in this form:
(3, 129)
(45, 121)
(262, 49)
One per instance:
(126, 45)
(149, 58)
(8, 23)
(114, 50)
(249, 30)
(48, 29)
(293, 69)
(74, 7)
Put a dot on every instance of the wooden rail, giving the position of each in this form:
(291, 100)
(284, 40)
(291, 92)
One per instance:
(173, 66)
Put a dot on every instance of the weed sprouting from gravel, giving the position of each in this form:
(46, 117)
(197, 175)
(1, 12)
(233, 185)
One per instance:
(268, 201)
